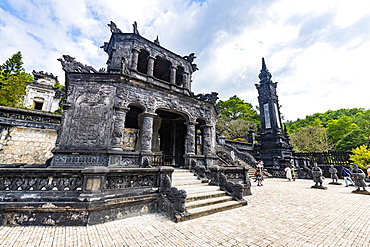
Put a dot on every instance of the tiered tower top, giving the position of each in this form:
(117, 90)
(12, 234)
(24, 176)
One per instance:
(131, 54)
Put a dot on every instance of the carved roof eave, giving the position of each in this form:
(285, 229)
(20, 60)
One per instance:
(140, 38)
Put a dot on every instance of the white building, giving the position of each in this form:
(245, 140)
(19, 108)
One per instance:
(41, 93)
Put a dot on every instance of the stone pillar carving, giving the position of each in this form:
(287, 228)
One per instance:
(157, 121)
(173, 75)
(135, 58)
(146, 131)
(118, 126)
(190, 138)
(207, 139)
(185, 78)
(150, 67)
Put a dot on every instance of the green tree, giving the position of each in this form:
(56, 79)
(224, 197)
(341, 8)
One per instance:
(234, 127)
(310, 139)
(13, 65)
(353, 139)
(361, 156)
(338, 128)
(236, 108)
(13, 81)
(237, 117)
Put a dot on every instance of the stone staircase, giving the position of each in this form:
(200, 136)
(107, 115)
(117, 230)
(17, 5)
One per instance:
(202, 199)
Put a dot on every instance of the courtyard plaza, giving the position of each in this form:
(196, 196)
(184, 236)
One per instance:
(280, 213)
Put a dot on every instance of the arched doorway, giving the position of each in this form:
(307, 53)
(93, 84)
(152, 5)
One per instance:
(132, 129)
(171, 136)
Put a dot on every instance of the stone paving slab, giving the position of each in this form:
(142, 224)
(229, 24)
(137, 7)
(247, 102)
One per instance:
(280, 213)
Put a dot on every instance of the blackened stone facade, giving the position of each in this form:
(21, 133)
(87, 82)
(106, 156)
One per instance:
(145, 88)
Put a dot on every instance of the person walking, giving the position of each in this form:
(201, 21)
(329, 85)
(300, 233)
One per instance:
(232, 154)
(346, 174)
(293, 173)
(259, 170)
(288, 173)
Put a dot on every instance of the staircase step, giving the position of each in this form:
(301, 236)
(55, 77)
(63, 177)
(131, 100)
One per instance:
(204, 195)
(177, 183)
(190, 189)
(210, 209)
(206, 202)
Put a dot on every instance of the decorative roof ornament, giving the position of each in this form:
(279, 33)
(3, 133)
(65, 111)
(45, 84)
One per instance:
(114, 28)
(41, 74)
(190, 58)
(156, 41)
(265, 75)
(70, 65)
(136, 31)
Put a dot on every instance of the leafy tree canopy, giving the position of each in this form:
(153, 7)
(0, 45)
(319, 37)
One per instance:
(361, 156)
(237, 117)
(13, 81)
(346, 128)
(310, 139)
(13, 65)
(234, 127)
(236, 108)
(338, 128)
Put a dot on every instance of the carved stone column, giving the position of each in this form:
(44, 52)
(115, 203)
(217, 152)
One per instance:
(207, 139)
(173, 75)
(150, 67)
(147, 132)
(157, 121)
(135, 58)
(118, 127)
(185, 78)
(190, 138)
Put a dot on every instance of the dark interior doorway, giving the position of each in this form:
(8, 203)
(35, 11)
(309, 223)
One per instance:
(172, 135)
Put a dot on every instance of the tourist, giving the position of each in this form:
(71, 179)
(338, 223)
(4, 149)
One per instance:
(293, 172)
(260, 164)
(259, 177)
(232, 153)
(346, 175)
(288, 173)
(368, 173)
(259, 170)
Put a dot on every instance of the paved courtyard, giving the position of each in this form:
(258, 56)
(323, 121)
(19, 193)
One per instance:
(280, 213)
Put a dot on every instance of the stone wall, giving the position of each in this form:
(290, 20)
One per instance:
(26, 145)
(26, 136)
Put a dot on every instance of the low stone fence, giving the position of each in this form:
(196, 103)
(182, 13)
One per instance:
(53, 196)
(26, 136)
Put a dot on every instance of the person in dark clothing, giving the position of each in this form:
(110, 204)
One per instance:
(346, 175)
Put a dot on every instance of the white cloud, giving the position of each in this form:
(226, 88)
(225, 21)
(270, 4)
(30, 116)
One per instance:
(315, 49)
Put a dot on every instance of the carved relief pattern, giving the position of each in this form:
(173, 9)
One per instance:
(80, 160)
(147, 133)
(91, 117)
(190, 139)
(130, 181)
(40, 183)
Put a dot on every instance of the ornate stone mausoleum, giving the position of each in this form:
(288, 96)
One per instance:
(139, 111)
(123, 131)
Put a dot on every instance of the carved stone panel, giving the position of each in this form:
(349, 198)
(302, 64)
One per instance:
(90, 118)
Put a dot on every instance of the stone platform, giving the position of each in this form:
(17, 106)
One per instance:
(280, 213)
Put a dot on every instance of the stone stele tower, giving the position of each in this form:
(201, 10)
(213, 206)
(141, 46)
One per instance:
(274, 147)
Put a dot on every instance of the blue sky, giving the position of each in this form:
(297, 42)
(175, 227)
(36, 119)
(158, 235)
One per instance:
(317, 50)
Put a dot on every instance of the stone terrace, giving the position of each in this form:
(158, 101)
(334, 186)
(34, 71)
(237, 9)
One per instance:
(280, 213)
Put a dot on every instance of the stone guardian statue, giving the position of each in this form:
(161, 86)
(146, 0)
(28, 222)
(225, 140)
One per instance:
(317, 177)
(359, 179)
(333, 174)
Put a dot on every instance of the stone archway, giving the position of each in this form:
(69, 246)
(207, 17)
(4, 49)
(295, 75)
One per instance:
(171, 137)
